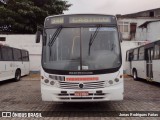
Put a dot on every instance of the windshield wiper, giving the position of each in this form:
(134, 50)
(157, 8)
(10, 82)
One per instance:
(54, 36)
(92, 38)
(53, 39)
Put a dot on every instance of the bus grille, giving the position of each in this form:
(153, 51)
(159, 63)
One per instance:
(86, 85)
(91, 96)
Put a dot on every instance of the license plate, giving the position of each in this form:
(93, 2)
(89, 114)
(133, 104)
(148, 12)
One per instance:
(81, 93)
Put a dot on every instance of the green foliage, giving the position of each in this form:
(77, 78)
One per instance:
(23, 16)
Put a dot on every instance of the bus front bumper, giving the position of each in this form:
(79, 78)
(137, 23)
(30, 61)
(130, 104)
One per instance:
(112, 93)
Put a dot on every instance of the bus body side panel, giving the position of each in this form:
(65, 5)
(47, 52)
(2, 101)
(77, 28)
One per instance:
(141, 69)
(128, 67)
(156, 70)
(2, 71)
(26, 66)
(18, 65)
(6, 70)
(23, 68)
(25, 63)
(140, 66)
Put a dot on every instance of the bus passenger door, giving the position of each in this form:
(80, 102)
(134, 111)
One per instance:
(130, 62)
(149, 57)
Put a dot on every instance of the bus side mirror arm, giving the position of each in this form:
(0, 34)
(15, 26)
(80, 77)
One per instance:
(120, 36)
(38, 34)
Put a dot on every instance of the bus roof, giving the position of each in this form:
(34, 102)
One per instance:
(146, 45)
(77, 14)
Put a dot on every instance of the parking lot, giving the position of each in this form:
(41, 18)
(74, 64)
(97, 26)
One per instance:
(25, 96)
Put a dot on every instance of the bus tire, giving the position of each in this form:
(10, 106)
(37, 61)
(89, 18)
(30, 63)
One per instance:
(135, 77)
(17, 75)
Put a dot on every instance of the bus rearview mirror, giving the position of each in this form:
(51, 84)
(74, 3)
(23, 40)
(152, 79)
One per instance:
(120, 36)
(38, 36)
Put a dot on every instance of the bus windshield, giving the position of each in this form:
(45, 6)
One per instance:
(75, 49)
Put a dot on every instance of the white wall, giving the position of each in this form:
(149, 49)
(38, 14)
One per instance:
(26, 42)
(126, 45)
(151, 33)
(139, 22)
(141, 34)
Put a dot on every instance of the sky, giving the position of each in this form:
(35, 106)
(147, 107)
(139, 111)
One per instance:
(111, 6)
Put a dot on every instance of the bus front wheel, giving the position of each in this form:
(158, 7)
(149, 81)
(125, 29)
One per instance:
(17, 75)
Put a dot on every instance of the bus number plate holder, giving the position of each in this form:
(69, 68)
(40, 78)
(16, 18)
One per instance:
(81, 93)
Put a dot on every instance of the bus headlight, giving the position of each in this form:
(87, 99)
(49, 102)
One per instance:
(46, 81)
(52, 82)
(116, 80)
(110, 82)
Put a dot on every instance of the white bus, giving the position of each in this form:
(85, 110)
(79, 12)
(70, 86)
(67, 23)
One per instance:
(81, 59)
(144, 62)
(14, 63)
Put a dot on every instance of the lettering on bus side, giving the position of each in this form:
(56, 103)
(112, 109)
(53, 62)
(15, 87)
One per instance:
(80, 73)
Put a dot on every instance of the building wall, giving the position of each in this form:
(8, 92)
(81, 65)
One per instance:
(28, 42)
(151, 33)
(139, 21)
(141, 34)
(126, 45)
(157, 13)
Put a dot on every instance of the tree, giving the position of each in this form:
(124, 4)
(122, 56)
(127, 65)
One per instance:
(23, 16)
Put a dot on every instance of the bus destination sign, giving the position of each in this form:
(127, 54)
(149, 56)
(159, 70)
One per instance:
(57, 20)
(89, 19)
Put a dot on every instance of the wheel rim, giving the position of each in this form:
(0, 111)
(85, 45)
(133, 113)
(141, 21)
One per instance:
(17, 75)
(134, 75)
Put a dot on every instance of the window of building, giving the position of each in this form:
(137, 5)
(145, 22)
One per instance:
(157, 52)
(2, 38)
(151, 14)
(123, 27)
(141, 53)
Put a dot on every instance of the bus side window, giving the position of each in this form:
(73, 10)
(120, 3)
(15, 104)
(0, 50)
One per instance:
(17, 55)
(10, 54)
(0, 54)
(157, 52)
(146, 55)
(25, 56)
(127, 55)
(28, 55)
(135, 54)
(141, 53)
(7, 54)
(130, 56)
